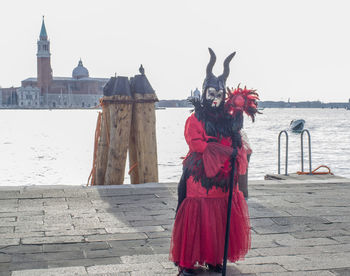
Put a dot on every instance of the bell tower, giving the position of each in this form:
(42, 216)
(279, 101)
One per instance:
(44, 63)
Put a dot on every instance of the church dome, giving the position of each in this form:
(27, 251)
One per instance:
(80, 71)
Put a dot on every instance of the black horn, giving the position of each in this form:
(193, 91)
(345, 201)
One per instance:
(211, 62)
(227, 61)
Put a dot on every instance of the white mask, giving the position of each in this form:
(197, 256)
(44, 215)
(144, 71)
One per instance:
(216, 97)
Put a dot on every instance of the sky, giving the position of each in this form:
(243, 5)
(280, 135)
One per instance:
(286, 49)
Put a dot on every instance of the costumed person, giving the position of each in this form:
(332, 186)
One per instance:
(212, 133)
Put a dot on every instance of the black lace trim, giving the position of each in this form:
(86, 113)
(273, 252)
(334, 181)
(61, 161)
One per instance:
(217, 123)
(193, 166)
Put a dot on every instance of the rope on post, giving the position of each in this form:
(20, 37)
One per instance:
(132, 167)
(97, 136)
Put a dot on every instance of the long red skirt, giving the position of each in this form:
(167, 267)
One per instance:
(199, 230)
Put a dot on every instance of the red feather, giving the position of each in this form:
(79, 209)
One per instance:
(242, 100)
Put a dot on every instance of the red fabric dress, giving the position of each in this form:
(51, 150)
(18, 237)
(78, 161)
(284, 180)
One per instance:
(199, 229)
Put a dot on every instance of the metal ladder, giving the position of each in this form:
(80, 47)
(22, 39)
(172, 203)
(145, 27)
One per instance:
(301, 148)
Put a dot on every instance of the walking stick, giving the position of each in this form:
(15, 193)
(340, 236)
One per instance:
(233, 159)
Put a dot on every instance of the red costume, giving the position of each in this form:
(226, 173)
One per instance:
(212, 135)
(199, 229)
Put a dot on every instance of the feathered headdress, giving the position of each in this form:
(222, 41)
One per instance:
(242, 100)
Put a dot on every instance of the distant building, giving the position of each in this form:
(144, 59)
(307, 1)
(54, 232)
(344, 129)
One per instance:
(8, 96)
(48, 91)
(196, 93)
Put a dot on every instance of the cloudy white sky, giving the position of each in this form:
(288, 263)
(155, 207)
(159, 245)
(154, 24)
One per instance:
(297, 49)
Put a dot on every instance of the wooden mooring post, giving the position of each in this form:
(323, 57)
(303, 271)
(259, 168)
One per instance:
(143, 160)
(102, 146)
(128, 122)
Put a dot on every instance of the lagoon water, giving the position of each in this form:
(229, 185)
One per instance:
(43, 147)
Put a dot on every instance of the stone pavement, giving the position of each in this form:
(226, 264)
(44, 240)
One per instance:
(299, 227)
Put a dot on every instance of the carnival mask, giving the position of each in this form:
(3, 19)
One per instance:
(214, 87)
(215, 97)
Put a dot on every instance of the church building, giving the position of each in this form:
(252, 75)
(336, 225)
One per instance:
(48, 91)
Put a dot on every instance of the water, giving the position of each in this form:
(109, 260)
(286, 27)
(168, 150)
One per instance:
(42, 147)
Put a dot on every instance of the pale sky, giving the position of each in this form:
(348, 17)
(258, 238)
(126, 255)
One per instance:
(297, 49)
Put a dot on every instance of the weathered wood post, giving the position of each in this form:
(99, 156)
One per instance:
(143, 159)
(102, 146)
(119, 102)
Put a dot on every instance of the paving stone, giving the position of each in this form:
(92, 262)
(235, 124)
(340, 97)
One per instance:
(281, 260)
(320, 261)
(137, 259)
(341, 271)
(46, 256)
(16, 213)
(320, 234)
(159, 241)
(304, 230)
(98, 225)
(150, 212)
(52, 271)
(168, 264)
(22, 249)
(163, 234)
(8, 209)
(7, 229)
(7, 242)
(163, 272)
(111, 274)
(59, 239)
(152, 222)
(135, 229)
(299, 220)
(127, 243)
(306, 242)
(5, 258)
(30, 219)
(336, 248)
(86, 262)
(28, 265)
(118, 252)
(273, 229)
(75, 246)
(299, 273)
(4, 268)
(9, 194)
(35, 228)
(297, 250)
(8, 219)
(256, 268)
(149, 267)
(261, 222)
(138, 218)
(342, 239)
(17, 235)
(337, 218)
(6, 202)
(122, 236)
(79, 232)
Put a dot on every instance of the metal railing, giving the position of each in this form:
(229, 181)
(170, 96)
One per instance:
(302, 149)
(279, 152)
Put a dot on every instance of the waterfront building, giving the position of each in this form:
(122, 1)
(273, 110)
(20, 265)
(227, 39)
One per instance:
(197, 93)
(48, 91)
